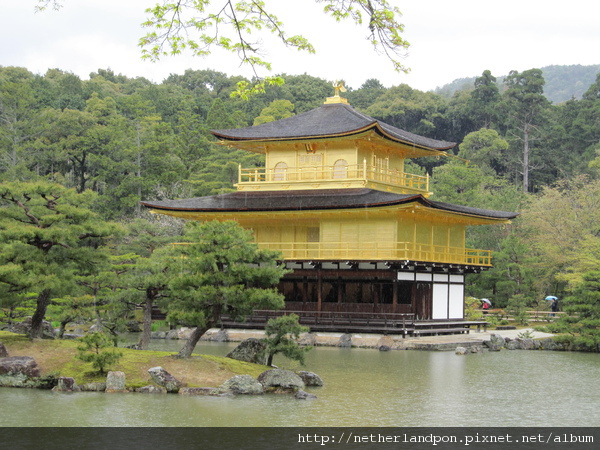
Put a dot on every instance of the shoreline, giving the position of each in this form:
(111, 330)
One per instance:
(368, 340)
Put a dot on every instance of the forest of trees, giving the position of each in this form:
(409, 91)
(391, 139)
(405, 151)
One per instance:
(562, 82)
(112, 141)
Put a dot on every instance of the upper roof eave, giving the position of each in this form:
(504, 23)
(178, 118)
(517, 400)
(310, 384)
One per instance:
(327, 121)
(374, 127)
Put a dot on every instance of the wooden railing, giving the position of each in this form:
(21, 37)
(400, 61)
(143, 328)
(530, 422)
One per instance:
(376, 251)
(333, 320)
(352, 172)
(532, 316)
(380, 251)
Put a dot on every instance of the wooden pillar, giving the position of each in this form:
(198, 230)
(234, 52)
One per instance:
(395, 296)
(375, 288)
(340, 294)
(319, 289)
(304, 292)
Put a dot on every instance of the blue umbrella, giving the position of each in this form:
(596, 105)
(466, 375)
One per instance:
(551, 297)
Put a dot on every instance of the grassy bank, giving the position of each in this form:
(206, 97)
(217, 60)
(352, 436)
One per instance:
(58, 358)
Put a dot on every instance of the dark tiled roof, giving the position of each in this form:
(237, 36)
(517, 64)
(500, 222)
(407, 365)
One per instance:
(312, 200)
(328, 120)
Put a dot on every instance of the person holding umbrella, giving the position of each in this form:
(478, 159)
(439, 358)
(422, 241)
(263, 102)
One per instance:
(486, 303)
(553, 305)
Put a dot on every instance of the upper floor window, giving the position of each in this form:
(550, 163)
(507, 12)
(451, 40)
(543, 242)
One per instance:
(280, 171)
(340, 169)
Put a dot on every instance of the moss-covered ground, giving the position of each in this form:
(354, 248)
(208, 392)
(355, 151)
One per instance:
(58, 358)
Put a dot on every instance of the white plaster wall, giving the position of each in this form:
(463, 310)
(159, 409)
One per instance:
(440, 301)
(457, 299)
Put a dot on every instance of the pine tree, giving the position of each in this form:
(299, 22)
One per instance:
(281, 335)
(48, 234)
(220, 271)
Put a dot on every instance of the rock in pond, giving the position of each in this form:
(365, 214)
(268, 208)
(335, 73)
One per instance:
(18, 371)
(222, 335)
(163, 378)
(115, 382)
(551, 344)
(93, 387)
(496, 343)
(461, 351)
(151, 390)
(249, 350)
(527, 344)
(242, 385)
(66, 384)
(513, 345)
(308, 339)
(200, 391)
(345, 340)
(310, 378)
(302, 395)
(278, 380)
(385, 344)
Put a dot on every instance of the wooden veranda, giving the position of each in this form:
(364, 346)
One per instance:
(404, 324)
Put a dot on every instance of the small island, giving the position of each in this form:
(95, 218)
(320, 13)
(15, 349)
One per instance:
(54, 364)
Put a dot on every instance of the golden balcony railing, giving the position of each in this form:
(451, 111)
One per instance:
(380, 251)
(363, 173)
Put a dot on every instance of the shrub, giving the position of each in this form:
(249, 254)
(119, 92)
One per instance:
(158, 324)
(95, 350)
(517, 307)
(471, 309)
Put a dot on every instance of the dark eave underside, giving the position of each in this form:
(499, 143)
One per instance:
(327, 121)
(313, 200)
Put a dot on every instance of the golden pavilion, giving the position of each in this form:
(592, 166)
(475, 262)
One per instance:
(368, 250)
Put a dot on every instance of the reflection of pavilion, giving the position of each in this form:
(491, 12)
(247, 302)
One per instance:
(368, 249)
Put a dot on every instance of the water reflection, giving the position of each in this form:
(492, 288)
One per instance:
(362, 388)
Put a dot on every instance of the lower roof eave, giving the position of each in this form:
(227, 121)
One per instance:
(396, 265)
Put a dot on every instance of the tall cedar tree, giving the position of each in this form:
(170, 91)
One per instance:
(220, 271)
(49, 235)
(526, 103)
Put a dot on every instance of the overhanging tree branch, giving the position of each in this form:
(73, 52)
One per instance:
(200, 26)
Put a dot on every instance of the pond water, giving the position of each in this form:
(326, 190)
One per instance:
(363, 387)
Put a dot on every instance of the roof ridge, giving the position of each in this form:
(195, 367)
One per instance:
(360, 114)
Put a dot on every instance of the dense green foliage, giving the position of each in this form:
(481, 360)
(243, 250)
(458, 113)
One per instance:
(76, 155)
(563, 83)
(219, 270)
(49, 238)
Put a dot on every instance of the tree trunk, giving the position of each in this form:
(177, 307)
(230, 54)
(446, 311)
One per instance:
(99, 324)
(526, 158)
(147, 327)
(61, 330)
(190, 344)
(43, 301)
(139, 164)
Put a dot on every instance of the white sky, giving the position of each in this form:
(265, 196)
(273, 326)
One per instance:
(449, 40)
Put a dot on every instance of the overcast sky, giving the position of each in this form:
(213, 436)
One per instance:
(449, 40)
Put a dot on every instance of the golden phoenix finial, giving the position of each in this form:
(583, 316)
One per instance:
(338, 86)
